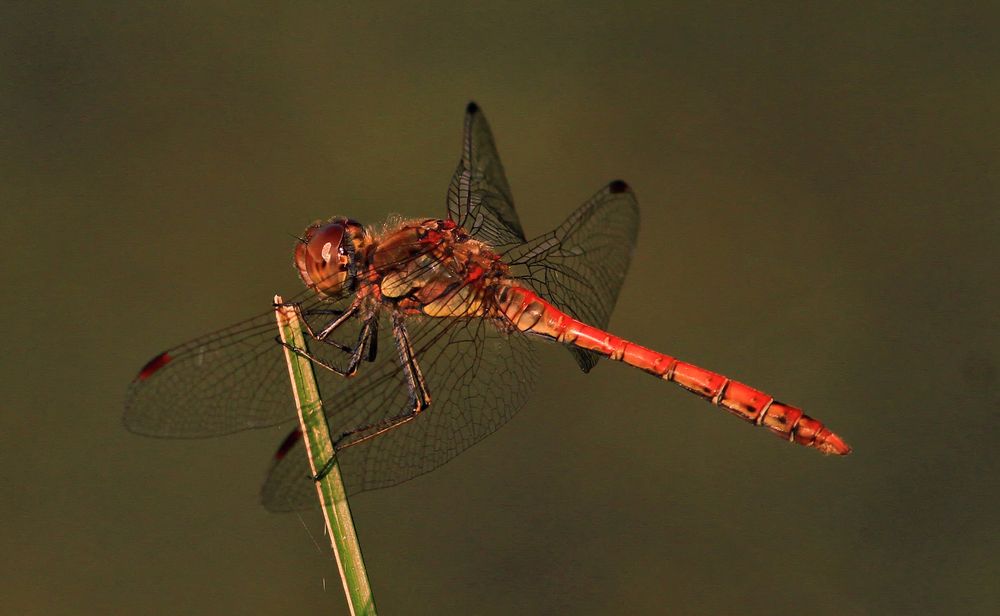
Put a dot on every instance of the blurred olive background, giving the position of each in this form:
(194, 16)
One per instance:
(819, 191)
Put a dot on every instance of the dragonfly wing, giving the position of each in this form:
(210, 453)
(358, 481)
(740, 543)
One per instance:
(229, 380)
(479, 198)
(288, 486)
(236, 378)
(477, 377)
(580, 266)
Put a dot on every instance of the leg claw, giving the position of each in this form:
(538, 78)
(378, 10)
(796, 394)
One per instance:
(323, 472)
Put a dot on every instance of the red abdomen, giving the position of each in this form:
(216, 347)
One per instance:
(531, 314)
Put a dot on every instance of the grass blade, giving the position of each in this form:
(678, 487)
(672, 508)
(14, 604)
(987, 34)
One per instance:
(319, 447)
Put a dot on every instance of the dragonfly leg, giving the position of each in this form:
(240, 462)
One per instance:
(366, 339)
(324, 334)
(334, 311)
(415, 383)
(420, 399)
(329, 329)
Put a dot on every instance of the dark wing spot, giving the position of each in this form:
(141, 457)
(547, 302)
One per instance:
(153, 365)
(472, 107)
(290, 441)
(618, 186)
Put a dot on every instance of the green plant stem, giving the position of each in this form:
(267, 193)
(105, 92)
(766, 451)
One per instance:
(319, 446)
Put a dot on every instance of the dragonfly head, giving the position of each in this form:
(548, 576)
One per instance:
(329, 256)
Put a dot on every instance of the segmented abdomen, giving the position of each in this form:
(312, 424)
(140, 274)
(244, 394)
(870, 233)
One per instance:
(531, 314)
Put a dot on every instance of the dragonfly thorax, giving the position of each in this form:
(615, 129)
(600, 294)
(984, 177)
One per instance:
(330, 255)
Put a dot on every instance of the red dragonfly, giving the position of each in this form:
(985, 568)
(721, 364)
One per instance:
(422, 332)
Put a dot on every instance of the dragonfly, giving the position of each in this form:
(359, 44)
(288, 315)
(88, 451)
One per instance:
(424, 335)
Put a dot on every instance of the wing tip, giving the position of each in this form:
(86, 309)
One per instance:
(153, 365)
(472, 108)
(618, 186)
(135, 424)
(288, 443)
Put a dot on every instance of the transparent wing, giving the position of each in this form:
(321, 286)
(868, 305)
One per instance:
(479, 199)
(229, 380)
(236, 378)
(477, 376)
(288, 486)
(580, 266)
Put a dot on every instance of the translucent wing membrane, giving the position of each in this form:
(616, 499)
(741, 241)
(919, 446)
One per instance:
(230, 380)
(580, 266)
(477, 378)
(479, 199)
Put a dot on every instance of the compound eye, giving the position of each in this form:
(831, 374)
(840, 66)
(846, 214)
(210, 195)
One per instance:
(321, 258)
(323, 246)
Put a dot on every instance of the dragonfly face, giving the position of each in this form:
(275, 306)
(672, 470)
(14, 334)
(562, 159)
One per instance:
(331, 255)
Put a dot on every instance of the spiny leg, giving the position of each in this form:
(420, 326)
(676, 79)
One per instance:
(420, 399)
(341, 318)
(314, 310)
(416, 386)
(367, 336)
